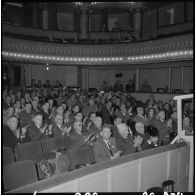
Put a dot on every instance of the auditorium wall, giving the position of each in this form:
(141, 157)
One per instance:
(67, 75)
(157, 75)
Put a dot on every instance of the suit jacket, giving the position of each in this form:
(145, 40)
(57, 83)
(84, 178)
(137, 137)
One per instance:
(57, 131)
(9, 139)
(35, 134)
(101, 150)
(125, 145)
(75, 140)
(105, 113)
(163, 130)
(138, 118)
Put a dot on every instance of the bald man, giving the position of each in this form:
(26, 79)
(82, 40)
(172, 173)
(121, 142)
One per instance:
(124, 141)
(11, 133)
(35, 131)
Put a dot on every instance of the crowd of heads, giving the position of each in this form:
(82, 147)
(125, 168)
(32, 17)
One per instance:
(46, 105)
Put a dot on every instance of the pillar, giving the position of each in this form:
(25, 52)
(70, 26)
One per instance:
(138, 18)
(170, 77)
(84, 24)
(182, 78)
(29, 74)
(137, 84)
(87, 78)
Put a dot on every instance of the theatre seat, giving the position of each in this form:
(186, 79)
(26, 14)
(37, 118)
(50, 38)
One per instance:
(155, 189)
(78, 156)
(8, 156)
(168, 186)
(52, 144)
(28, 151)
(18, 174)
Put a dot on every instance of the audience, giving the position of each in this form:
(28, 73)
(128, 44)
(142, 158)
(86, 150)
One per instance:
(112, 122)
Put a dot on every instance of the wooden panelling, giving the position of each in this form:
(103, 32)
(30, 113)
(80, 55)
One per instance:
(154, 171)
(129, 171)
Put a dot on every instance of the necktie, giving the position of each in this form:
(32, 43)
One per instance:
(109, 147)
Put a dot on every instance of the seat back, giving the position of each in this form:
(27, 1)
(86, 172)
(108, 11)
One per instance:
(168, 185)
(28, 151)
(78, 156)
(155, 189)
(8, 156)
(52, 144)
(18, 174)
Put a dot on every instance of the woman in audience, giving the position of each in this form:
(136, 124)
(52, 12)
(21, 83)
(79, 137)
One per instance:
(167, 108)
(150, 116)
(123, 113)
(92, 107)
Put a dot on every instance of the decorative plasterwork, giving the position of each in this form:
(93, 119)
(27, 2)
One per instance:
(163, 50)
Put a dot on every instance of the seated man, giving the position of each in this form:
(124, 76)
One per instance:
(26, 115)
(151, 138)
(105, 147)
(76, 139)
(140, 115)
(125, 142)
(97, 126)
(12, 135)
(139, 128)
(117, 121)
(58, 130)
(36, 131)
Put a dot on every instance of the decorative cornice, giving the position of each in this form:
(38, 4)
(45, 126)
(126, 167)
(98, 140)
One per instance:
(163, 50)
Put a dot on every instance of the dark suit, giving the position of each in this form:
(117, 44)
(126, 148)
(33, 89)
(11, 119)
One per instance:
(163, 131)
(9, 139)
(101, 150)
(57, 131)
(139, 118)
(35, 134)
(125, 145)
(75, 140)
(105, 113)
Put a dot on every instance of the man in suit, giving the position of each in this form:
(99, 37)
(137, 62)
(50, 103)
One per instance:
(26, 115)
(58, 130)
(12, 135)
(105, 147)
(124, 140)
(76, 139)
(164, 128)
(35, 130)
(140, 115)
(151, 138)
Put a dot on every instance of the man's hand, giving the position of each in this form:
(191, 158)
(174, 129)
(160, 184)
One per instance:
(138, 141)
(116, 155)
